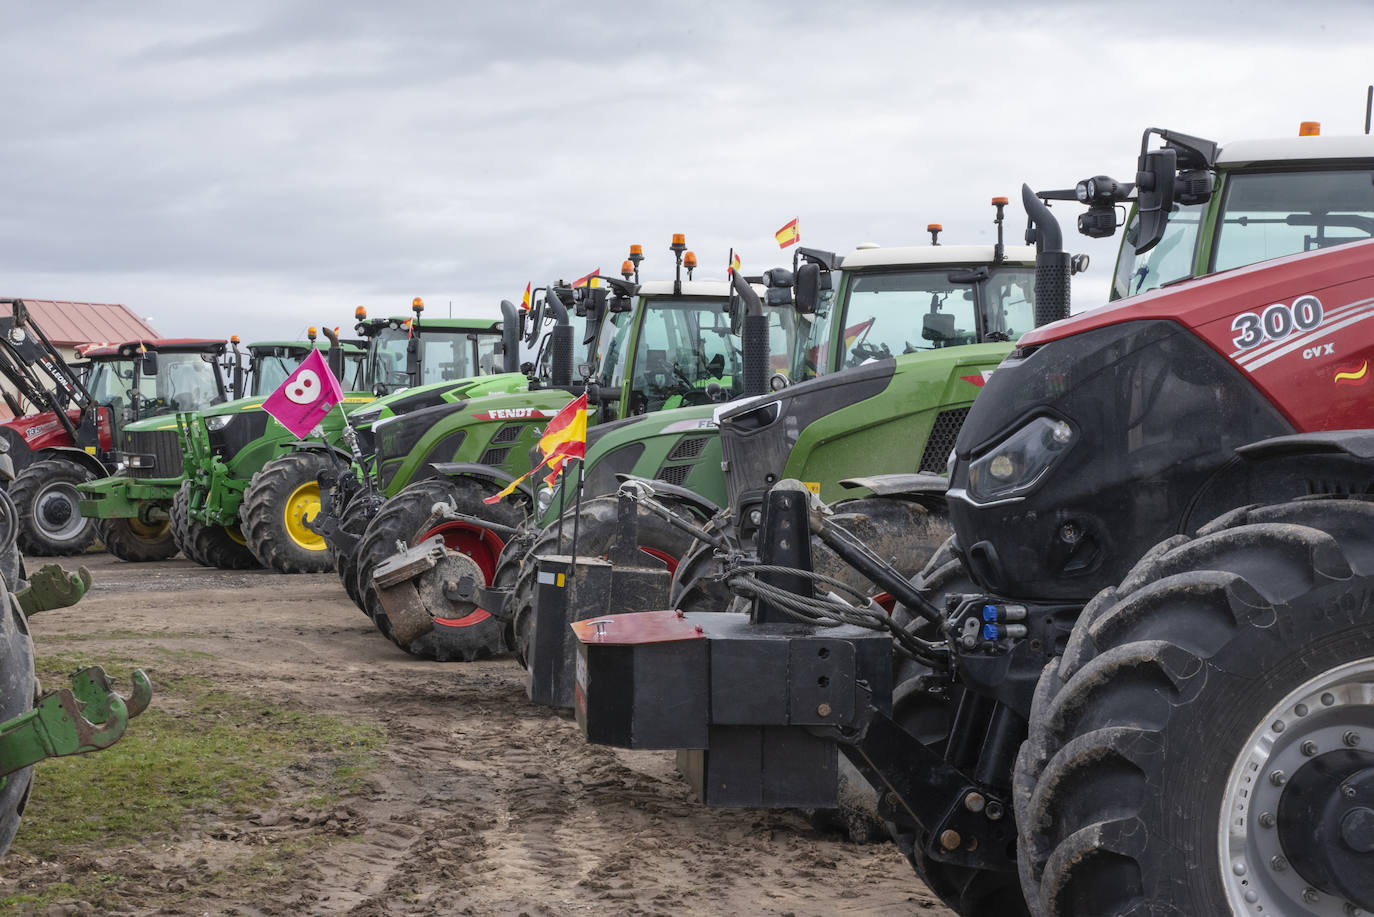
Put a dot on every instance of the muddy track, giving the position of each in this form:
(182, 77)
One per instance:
(480, 803)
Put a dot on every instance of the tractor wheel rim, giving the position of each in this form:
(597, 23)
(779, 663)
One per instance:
(236, 535)
(303, 504)
(149, 531)
(1328, 713)
(483, 546)
(56, 514)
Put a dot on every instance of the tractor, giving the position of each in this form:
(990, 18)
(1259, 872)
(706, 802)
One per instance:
(666, 344)
(132, 508)
(1138, 678)
(227, 513)
(77, 433)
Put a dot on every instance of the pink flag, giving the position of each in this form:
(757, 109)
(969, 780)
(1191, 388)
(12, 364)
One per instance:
(307, 395)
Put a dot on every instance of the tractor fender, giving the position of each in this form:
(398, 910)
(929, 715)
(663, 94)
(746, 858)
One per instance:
(925, 489)
(302, 445)
(1355, 443)
(693, 502)
(75, 456)
(472, 470)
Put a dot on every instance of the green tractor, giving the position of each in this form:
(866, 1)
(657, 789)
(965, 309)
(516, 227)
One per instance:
(131, 509)
(896, 343)
(229, 513)
(665, 344)
(352, 491)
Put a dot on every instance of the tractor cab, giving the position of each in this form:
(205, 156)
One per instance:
(1198, 207)
(141, 379)
(409, 352)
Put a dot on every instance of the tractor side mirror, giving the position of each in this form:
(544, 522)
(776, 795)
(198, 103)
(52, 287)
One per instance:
(1155, 195)
(148, 363)
(938, 326)
(621, 303)
(808, 287)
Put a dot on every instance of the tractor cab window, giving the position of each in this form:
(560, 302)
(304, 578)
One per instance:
(271, 371)
(1008, 303)
(489, 362)
(184, 382)
(389, 357)
(355, 372)
(610, 347)
(1269, 215)
(812, 360)
(445, 356)
(111, 383)
(684, 346)
(894, 312)
(1171, 259)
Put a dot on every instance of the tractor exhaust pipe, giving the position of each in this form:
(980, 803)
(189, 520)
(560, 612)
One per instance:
(560, 341)
(753, 337)
(1052, 263)
(510, 336)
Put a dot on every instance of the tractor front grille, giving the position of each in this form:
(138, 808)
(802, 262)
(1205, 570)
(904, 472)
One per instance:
(943, 433)
(158, 452)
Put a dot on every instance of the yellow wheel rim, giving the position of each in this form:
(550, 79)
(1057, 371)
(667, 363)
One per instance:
(303, 504)
(236, 535)
(148, 530)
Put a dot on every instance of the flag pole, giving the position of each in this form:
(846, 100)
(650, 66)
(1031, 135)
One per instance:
(577, 514)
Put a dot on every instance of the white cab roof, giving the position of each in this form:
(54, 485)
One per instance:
(921, 255)
(716, 288)
(1245, 152)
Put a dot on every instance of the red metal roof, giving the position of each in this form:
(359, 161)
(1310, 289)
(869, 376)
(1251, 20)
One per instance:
(70, 323)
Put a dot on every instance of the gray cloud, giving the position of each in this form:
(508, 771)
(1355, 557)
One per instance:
(251, 167)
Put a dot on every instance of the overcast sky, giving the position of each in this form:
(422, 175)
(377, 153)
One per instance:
(253, 168)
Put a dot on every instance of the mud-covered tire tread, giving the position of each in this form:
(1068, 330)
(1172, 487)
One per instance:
(263, 524)
(1141, 658)
(123, 542)
(401, 519)
(18, 690)
(24, 489)
(355, 519)
(207, 545)
(595, 530)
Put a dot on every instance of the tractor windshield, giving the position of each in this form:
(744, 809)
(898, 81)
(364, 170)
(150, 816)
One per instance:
(271, 371)
(1270, 215)
(1261, 215)
(685, 345)
(183, 382)
(887, 313)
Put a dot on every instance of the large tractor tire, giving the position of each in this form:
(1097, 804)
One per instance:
(1205, 745)
(11, 561)
(405, 519)
(596, 529)
(208, 545)
(356, 516)
(18, 688)
(276, 505)
(50, 520)
(137, 542)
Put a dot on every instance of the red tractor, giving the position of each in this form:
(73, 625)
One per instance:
(66, 425)
(1139, 679)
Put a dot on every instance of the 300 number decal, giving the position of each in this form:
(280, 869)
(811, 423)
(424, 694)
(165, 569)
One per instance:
(1276, 322)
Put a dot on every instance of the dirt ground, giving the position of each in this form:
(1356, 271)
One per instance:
(482, 803)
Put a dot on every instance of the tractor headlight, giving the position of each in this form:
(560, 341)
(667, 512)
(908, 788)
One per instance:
(1018, 463)
(218, 421)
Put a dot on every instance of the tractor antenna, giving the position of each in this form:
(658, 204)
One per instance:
(1368, 107)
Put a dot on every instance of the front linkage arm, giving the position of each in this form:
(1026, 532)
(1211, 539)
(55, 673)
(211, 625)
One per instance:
(87, 717)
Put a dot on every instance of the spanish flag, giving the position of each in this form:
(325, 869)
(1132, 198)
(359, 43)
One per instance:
(564, 438)
(525, 300)
(788, 235)
(591, 280)
(734, 265)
